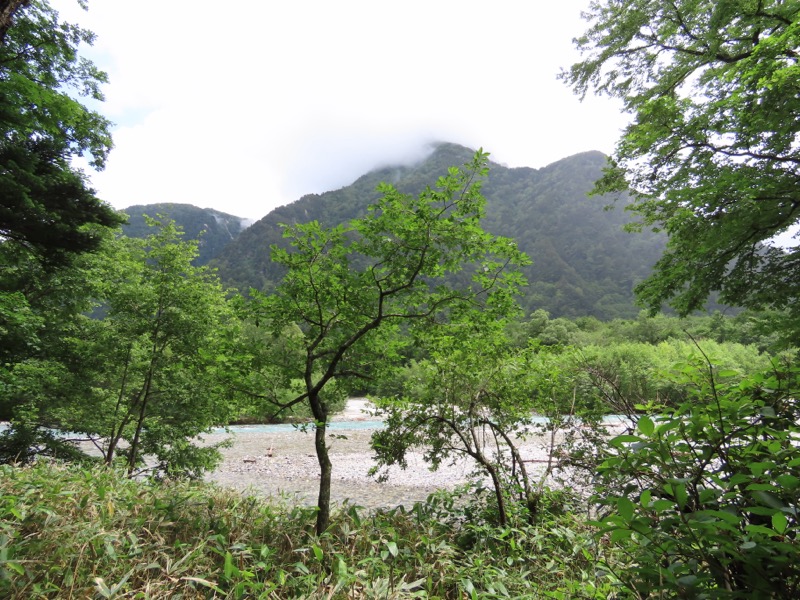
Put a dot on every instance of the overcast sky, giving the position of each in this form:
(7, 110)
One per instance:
(243, 106)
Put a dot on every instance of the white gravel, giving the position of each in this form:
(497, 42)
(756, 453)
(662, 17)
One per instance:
(284, 463)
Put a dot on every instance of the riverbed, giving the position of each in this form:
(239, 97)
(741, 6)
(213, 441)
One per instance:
(282, 462)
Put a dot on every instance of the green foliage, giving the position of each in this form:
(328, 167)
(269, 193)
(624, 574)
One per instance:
(476, 396)
(712, 152)
(104, 535)
(631, 374)
(26, 441)
(154, 355)
(413, 260)
(701, 499)
(142, 380)
(41, 325)
(48, 215)
(45, 203)
(254, 365)
(746, 328)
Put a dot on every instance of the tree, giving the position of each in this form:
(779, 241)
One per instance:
(141, 376)
(48, 214)
(712, 154)
(475, 396)
(45, 202)
(42, 326)
(156, 353)
(7, 10)
(349, 287)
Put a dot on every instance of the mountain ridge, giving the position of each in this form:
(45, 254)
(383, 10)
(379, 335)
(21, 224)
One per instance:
(584, 263)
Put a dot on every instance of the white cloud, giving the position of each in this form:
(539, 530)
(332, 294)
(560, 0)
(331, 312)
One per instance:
(244, 106)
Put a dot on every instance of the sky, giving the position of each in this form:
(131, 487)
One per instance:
(244, 106)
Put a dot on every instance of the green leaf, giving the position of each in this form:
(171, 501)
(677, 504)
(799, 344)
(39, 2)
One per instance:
(779, 522)
(619, 535)
(790, 482)
(681, 496)
(318, 554)
(340, 567)
(748, 545)
(621, 440)
(14, 566)
(625, 508)
(204, 582)
(646, 426)
(663, 505)
(760, 529)
(228, 567)
(768, 499)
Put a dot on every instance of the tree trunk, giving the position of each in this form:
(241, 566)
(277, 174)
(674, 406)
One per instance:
(498, 492)
(531, 498)
(144, 396)
(116, 431)
(134, 450)
(477, 454)
(7, 10)
(320, 412)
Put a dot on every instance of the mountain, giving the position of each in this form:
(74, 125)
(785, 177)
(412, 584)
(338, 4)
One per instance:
(583, 262)
(214, 229)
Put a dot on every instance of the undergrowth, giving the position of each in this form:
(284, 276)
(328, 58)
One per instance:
(70, 532)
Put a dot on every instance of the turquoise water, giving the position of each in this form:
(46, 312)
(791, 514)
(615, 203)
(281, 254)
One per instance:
(281, 427)
(360, 425)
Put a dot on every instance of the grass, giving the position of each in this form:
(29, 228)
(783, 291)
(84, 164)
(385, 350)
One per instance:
(71, 532)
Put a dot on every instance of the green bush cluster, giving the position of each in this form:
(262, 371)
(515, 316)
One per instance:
(701, 498)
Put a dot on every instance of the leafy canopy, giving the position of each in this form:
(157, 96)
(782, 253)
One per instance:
(712, 154)
(344, 283)
(45, 202)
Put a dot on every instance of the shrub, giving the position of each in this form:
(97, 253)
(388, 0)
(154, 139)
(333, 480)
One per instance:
(701, 500)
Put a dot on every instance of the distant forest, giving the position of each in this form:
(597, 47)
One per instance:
(584, 263)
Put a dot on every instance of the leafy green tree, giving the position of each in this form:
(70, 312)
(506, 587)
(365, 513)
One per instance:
(155, 352)
(142, 377)
(45, 201)
(48, 214)
(635, 374)
(711, 156)
(349, 287)
(42, 326)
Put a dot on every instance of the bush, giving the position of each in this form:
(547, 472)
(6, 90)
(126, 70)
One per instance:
(701, 501)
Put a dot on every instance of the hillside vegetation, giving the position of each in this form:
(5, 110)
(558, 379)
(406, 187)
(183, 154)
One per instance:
(583, 262)
(213, 229)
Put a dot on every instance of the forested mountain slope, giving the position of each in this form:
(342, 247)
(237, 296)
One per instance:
(214, 229)
(583, 263)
